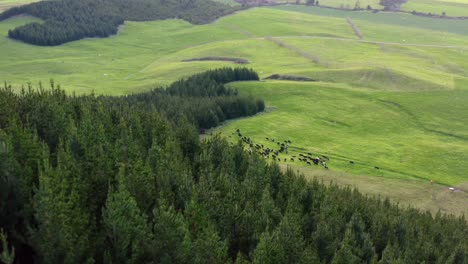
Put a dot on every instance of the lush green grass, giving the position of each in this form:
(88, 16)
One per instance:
(6, 4)
(407, 192)
(434, 28)
(395, 100)
(147, 54)
(396, 131)
(450, 7)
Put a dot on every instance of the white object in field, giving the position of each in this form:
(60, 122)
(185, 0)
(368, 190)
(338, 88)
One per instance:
(452, 189)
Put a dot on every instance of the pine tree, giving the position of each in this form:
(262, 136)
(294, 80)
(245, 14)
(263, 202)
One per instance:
(126, 227)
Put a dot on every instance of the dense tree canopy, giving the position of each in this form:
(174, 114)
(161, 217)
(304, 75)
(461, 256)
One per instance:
(86, 179)
(392, 5)
(68, 20)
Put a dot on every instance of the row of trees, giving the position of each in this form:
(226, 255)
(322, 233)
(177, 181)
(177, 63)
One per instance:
(68, 20)
(112, 180)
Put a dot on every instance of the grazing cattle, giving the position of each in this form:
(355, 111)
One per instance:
(267, 139)
(377, 168)
(293, 156)
(285, 159)
(308, 163)
(279, 159)
(310, 154)
(325, 157)
(292, 159)
(352, 162)
(324, 164)
(237, 130)
(316, 160)
(326, 167)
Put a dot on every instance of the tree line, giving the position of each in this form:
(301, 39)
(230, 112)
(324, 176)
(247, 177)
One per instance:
(100, 179)
(69, 20)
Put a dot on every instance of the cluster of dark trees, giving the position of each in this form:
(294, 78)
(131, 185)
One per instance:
(98, 179)
(392, 5)
(203, 98)
(68, 20)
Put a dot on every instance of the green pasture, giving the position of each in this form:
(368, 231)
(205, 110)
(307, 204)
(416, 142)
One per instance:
(407, 192)
(5, 4)
(148, 54)
(396, 131)
(450, 7)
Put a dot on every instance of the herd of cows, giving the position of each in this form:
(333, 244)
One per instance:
(277, 154)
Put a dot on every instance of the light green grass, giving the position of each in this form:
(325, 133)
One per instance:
(396, 131)
(432, 27)
(145, 55)
(6, 4)
(408, 193)
(450, 7)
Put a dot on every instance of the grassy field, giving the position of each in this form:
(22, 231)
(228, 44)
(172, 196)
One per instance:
(408, 192)
(395, 99)
(396, 131)
(5, 4)
(450, 7)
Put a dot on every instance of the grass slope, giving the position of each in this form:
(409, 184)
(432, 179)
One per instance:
(395, 131)
(450, 7)
(6, 4)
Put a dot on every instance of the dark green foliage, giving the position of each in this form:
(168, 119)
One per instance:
(68, 20)
(203, 98)
(113, 180)
(392, 5)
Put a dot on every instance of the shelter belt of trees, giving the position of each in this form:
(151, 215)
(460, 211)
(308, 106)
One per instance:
(99, 179)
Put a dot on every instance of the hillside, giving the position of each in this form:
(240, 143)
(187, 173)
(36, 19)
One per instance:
(117, 180)
(165, 133)
(69, 20)
(399, 55)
